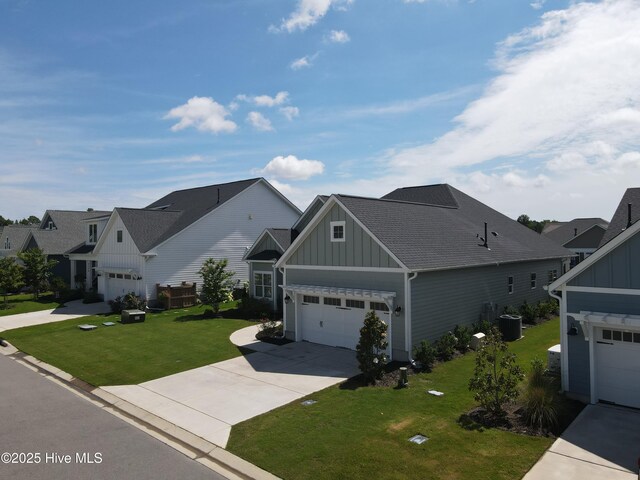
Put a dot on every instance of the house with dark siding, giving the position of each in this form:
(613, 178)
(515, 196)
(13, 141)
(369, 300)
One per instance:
(600, 314)
(424, 258)
(581, 235)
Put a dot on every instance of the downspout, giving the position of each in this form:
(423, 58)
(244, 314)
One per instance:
(407, 314)
(564, 343)
(284, 304)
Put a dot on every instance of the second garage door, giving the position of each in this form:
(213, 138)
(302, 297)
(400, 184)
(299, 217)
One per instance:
(335, 321)
(617, 359)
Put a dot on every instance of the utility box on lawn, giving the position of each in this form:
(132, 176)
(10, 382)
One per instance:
(553, 359)
(132, 316)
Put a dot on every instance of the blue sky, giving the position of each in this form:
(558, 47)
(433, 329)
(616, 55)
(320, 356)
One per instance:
(530, 106)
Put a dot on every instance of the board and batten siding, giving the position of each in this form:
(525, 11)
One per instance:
(442, 299)
(307, 216)
(358, 250)
(116, 254)
(385, 281)
(227, 232)
(267, 243)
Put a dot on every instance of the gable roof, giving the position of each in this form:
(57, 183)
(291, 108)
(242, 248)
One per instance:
(310, 211)
(563, 232)
(282, 236)
(593, 258)
(620, 218)
(437, 195)
(147, 227)
(590, 238)
(69, 231)
(17, 235)
(424, 236)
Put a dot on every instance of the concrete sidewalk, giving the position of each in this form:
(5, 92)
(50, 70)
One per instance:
(603, 442)
(74, 309)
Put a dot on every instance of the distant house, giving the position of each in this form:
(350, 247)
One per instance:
(13, 237)
(600, 314)
(133, 249)
(60, 232)
(424, 258)
(581, 235)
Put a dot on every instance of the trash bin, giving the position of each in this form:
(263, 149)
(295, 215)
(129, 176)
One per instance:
(510, 327)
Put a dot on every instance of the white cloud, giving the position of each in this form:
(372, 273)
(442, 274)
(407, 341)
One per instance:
(308, 13)
(292, 168)
(538, 4)
(290, 112)
(303, 62)
(563, 85)
(267, 101)
(203, 113)
(259, 122)
(338, 36)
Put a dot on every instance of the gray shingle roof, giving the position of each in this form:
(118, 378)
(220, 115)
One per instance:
(439, 194)
(282, 236)
(17, 235)
(69, 231)
(171, 214)
(563, 232)
(620, 218)
(424, 236)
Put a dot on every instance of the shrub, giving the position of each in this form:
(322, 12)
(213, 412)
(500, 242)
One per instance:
(510, 310)
(240, 293)
(496, 374)
(59, 287)
(269, 328)
(528, 313)
(372, 347)
(540, 400)
(253, 308)
(446, 346)
(130, 301)
(216, 283)
(463, 336)
(425, 354)
(482, 326)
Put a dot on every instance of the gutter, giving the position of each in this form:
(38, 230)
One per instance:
(407, 314)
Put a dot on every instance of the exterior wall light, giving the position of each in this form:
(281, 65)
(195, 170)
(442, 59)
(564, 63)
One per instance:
(398, 310)
(573, 330)
(287, 299)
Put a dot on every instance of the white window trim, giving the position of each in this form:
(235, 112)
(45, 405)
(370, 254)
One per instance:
(511, 287)
(533, 280)
(340, 223)
(93, 241)
(263, 285)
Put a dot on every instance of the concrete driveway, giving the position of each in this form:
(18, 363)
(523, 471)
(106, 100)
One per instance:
(603, 442)
(74, 309)
(207, 401)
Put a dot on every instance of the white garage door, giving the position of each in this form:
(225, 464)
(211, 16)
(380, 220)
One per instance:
(334, 321)
(617, 359)
(119, 284)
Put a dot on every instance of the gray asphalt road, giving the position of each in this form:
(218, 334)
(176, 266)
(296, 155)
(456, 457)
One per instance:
(39, 417)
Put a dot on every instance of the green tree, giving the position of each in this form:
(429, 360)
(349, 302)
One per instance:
(496, 375)
(10, 276)
(216, 283)
(372, 347)
(5, 221)
(37, 269)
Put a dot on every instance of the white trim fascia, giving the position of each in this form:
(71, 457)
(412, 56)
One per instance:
(605, 290)
(347, 269)
(333, 200)
(272, 261)
(595, 256)
(318, 198)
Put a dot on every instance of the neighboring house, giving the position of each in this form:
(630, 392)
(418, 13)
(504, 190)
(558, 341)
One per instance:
(60, 232)
(581, 235)
(13, 237)
(600, 314)
(418, 257)
(167, 242)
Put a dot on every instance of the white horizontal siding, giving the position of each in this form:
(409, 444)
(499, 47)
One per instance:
(225, 233)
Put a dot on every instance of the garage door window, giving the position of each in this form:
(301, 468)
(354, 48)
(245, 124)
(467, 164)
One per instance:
(355, 303)
(382, 307)
(310, 299)
(619, 336)
(336, 302)
(262, 285)
(112, 275)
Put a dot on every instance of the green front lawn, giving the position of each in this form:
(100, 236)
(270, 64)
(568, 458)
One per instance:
(24, 303)
(166, 343)
(363, 432)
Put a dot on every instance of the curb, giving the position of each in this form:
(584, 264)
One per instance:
(208, 454)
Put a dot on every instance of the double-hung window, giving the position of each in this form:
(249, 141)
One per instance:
(93, 232)
(262, 285)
